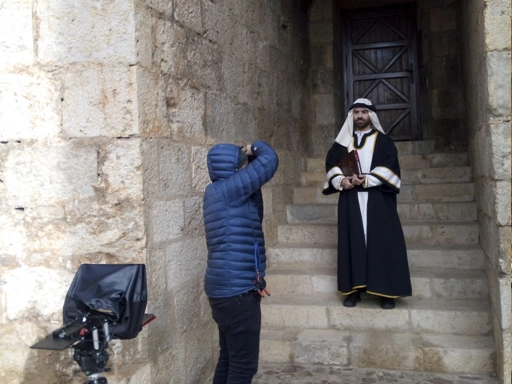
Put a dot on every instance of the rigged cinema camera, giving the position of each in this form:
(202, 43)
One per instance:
(104, 302)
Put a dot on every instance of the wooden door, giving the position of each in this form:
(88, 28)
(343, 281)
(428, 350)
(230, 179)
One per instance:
(381, 65)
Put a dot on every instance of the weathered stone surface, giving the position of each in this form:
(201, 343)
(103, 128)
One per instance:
(20, 285)
(204, 64)
(100, 32)
(377, 349)
(144, 34)
(320, 31)
(497, 25)
(443, 19)
(194, 224)
(496, 241)
(151, 102)
(219, 117)
(28, 105)
(500, 299)
(500, 143)
(324, 109)
(186, 112)
(324, 347)
(16, 39)
(171, 40)
(168, 220)
(277, 345)
(163, 6)
(174, 158)
(100, 102)
(40, 175)
(185, 260)
(200, 175)
(188, 13)
(446, 103)
(122, 169)
(498, 68)
(199, 357)
(12, 233)
(320, 10)
(92, 232)
(188, 312)
(450, 354)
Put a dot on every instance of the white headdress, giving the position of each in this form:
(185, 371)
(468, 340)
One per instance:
(347, 130)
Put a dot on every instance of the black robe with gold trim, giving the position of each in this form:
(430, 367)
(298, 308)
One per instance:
(380, 266)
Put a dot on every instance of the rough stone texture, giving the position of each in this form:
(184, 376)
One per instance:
(488, 122)
(72, 33)
(16, 39)
(168, 220)
(497, 15)
(28, 102)
(39, 176)
(100, 102)
(441, 90)
(224, 72)
(273, 372)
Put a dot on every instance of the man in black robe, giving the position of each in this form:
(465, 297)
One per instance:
(372, 256)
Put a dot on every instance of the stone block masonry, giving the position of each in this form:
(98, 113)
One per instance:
(107, 111)
(487, 75)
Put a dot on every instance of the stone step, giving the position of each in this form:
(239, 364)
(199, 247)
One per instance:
(409, 161)
(325, 311)
(433, 212)
(427, 283)
(415, 233)
(373, 349)
(415, 147)
(408, 176)
(306, 257)
(421, 193)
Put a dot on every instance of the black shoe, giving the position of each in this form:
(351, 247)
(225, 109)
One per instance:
(387, 303)
(352, 299)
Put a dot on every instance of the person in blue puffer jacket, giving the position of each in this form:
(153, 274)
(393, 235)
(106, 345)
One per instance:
(234, 280)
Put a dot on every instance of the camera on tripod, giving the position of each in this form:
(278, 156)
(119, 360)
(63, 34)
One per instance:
(104, 302)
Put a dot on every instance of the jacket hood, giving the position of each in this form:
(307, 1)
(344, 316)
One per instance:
(222, 161)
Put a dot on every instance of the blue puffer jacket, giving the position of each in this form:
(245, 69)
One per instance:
(233, 213)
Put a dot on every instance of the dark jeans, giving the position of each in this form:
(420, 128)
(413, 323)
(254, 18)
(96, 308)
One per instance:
(239, 322)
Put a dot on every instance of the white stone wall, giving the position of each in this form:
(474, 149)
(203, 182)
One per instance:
(70, 168)
(487, 92)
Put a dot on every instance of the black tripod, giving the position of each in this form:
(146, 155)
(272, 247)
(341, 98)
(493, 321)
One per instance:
(91, 353)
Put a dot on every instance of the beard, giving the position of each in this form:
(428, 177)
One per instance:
(362, 123)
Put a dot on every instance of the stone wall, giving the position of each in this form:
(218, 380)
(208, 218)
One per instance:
(486, 58)
(106, 114)
(226, 71)
(324, 99)
(70, 164)
(442, 105)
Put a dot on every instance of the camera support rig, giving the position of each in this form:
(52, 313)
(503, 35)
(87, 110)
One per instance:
(104, 302)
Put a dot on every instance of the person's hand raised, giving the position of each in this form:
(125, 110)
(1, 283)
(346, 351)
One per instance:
(248, 150)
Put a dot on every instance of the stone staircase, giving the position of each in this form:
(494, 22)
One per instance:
(444, 327)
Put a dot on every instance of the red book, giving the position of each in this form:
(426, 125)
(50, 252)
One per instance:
(349, 164)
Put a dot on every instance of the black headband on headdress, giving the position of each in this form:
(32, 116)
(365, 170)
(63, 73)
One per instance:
(371, 107)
